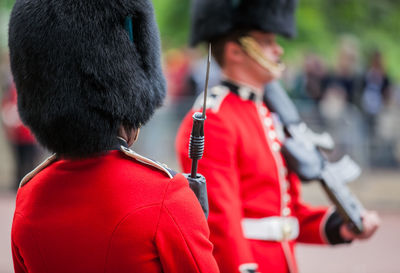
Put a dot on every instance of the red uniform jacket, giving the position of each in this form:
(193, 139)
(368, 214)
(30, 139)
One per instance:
(247, 180)
(117, 212)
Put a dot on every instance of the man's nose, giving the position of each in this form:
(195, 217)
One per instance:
(279, 50)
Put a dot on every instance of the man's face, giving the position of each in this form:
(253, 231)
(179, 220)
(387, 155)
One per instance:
(271, 50)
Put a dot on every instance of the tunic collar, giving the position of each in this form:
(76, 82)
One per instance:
(120, 142)
(243, 91)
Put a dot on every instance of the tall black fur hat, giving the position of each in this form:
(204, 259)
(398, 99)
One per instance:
(214, 18)
(78, 74)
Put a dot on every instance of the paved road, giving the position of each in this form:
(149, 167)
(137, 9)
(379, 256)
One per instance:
(6, 214)
(379, 255)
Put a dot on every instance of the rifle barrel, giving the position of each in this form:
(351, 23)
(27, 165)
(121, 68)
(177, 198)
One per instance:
(207, 78)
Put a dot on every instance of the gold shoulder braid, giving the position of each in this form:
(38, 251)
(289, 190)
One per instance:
(162, 167)
(53, 158)
(251, 47)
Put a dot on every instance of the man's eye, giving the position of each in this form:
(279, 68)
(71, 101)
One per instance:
(265, 42)
(268, 42)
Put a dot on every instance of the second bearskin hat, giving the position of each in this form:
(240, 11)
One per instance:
(214, 18)
(78, 74)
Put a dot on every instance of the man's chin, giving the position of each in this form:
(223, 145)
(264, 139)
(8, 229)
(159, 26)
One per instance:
(272, 76)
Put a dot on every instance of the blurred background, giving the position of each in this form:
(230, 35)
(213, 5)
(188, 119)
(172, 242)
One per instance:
(342, 73)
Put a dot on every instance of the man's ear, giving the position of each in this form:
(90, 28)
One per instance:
(233, 53)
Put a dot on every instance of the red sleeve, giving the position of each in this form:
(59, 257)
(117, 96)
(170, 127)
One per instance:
(19, 266)
(182, 236)
(219, 167)
(312, 220)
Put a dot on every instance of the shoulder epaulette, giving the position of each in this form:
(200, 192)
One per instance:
(162, 167)
(53, 158)
(215, 97)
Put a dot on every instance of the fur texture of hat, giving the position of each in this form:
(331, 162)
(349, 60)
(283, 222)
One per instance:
(79, 76)
(214, 18)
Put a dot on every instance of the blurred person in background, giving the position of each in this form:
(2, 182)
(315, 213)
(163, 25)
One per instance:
(86, 84)
(177, 64)
(176, 71)
(306, 89)
(24, 146)
(378, 106)
(256, 211)
(346, 72)
(339, 105)
(375, 90)
(307, 85)
(345, 124)
(393, 123)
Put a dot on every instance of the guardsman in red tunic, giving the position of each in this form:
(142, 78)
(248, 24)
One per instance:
(88, 76)
(256, 212)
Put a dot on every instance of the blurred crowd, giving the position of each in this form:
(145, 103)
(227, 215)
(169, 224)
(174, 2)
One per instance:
(357, 104)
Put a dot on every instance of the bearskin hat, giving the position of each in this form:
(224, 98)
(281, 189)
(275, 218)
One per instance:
(215, 18)
(78, 74)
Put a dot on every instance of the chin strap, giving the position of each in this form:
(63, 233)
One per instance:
(137, 132)
(251, 47)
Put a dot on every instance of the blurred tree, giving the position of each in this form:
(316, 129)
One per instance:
(6, 4)
(374, 23)
(173, 19)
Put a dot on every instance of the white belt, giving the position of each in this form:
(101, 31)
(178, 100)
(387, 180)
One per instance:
(271, 228)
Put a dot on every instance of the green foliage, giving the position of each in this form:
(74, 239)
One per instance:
(6, 4)
(375, 24)
(320, 25)
(173, 20)
(312, 34)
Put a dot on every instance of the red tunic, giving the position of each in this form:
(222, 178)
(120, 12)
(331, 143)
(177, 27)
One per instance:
(247, 179)
(118, 212)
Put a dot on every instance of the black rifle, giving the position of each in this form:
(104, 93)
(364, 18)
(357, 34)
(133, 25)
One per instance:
(302, 152)
(197, 182)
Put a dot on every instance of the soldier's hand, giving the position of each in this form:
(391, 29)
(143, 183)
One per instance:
(371, 223)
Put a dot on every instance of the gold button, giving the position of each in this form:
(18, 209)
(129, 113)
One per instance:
(286, 198)
(276, 147)
(244, 92)
(268, 122)
(263, 111)
(284, 171)
(286, 185)
(286, 231)
(286, 211)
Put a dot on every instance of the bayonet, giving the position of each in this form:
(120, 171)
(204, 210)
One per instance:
(197, 182)
(196, 146)
(206, 83)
